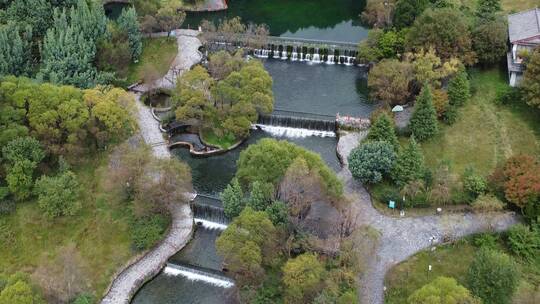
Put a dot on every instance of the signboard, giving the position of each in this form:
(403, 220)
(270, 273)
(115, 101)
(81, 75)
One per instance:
(391, 204)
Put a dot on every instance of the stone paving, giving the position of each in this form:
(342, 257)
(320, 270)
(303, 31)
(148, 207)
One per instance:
(131, 278)
(403, 237)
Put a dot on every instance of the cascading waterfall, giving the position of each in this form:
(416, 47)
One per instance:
(289, 126)
(209, 213)
(347, 58)
(194, 274)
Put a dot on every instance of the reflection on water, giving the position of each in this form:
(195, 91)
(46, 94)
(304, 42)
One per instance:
(336, 20)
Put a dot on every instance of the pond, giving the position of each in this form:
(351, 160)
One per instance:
(322, 89)
(336, 20)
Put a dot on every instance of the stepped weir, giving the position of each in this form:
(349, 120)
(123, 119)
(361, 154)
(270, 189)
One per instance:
(294, 49)
(194, 273)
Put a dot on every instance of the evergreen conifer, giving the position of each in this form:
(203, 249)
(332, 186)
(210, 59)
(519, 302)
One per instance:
(424, 119)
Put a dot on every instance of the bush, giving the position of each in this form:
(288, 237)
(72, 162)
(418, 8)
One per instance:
(486, 240)
(58, 195)
(493, 276)
(487, 202)
(450, 115)
(475, 184)
(524, 241)
(442, 290)
(148, 230)
(508, 95)
(370, 161)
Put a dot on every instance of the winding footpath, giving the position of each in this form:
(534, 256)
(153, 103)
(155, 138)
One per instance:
(400, 238)
(134, 275)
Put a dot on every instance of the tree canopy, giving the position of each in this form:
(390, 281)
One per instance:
(442, 290)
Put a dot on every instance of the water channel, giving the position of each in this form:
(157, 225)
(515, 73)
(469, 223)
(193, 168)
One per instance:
(302, 90)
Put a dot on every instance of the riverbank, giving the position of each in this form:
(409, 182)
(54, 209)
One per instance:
(400, 238)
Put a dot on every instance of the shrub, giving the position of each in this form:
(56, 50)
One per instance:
(486, 240)
(442, 290)
(508, 95)
(370, 161)
(450, 115)
(475, 184)
(148, 230)
(7, 205)
(58, 195)
(524, 241)
(487, 202)
(493, 276)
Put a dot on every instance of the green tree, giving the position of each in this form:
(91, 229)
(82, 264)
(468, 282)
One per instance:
(370, 161)
(489, 40)
(459, 90)
(20, 179)
(423, 122)
(15, 51)
(58, 195)
(302, 277)
(531, 79)
(446, 31)
(442, 290)
(233, 199)
(268, 160)
(260, 196)
(24, 148)
(34, 14)
(69, 47)
(407, 11)
(383, 130)
(278, 213)
(409, 164)
(110, 119)
(247, 244)
(487, 9)
(493, 276)
(129, 23)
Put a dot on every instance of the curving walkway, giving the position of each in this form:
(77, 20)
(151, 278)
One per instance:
(133, 276)
(403, 237)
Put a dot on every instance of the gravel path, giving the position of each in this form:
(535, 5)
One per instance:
(403, 237)
(126, 284)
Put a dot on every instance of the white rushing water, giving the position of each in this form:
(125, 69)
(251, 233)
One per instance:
(294, 132)
(197, 275)
(210, 225)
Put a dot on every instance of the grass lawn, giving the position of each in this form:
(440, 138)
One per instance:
(449, 260)
(485, 133)
(223, 142)
(100, 231)
(158, 52)
(511, 6)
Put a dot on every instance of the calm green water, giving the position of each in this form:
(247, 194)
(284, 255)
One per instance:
(335, 20)
(319, 88)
